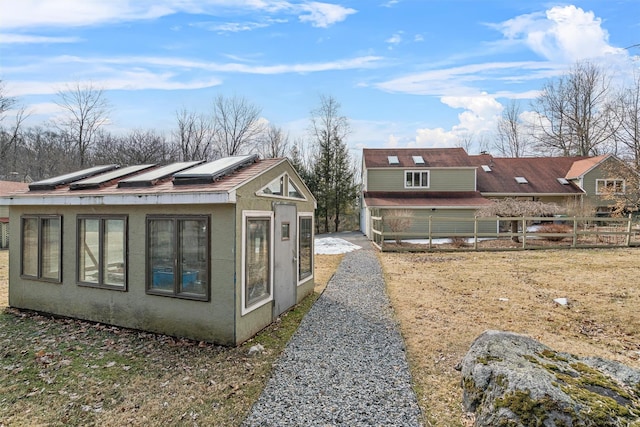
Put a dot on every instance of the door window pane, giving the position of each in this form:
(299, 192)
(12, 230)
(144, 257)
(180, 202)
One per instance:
(305, 250)
(258, 258)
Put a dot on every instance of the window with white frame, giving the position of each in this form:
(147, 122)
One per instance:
(41, 256)
(178, 256)
(257, 259)
(305, 246)
(416, 179)
(102, 251)
(610, 186)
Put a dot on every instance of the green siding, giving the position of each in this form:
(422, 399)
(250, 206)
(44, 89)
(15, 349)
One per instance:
(589, 183)
(439, 180)
(441, 222)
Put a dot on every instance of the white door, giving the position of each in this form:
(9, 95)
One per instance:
(286, 257)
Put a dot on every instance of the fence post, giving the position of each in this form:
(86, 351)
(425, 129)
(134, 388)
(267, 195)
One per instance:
(524, 233)
(575, 231)
(430, 237)
(629, 231)
(475, 233)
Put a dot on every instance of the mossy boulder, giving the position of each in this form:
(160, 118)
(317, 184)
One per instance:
(513, 380)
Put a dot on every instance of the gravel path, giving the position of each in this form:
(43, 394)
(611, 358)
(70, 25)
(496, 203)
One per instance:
(346, 364)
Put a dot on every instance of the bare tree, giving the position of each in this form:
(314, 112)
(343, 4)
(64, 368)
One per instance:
(86, 111)
(10, 139)
(237, 125)
(6, 102)
(574, 114)
(512, 138)
(195, 136)
(137, 147)
(274, 142)
(398, 221)
(627, 114)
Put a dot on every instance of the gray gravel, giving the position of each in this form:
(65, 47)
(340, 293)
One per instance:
(346, 364)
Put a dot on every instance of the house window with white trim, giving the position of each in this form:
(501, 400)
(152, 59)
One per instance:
(416, 179)
(305, 247)
(257, 260)
(102, 250)
(178, 256)
(610, 186)
(41, 256)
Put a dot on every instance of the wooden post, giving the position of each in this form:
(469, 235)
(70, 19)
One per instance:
(430, 216)
(629, 231)
(524, 233)
(475, 233)
(575, 232)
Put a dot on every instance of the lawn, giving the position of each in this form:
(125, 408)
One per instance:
(444, 300)
(69, 372)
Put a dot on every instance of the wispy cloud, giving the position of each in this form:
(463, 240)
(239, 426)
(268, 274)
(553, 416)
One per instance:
(6, 38)
(63, 13)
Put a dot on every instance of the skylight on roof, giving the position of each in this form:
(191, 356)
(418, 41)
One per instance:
(563, 181)
(393, 160)
(521, 180)
(486, 168)
(418, 160)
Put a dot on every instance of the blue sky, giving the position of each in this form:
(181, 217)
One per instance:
(406, 72)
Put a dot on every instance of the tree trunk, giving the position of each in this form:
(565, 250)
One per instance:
(514, 229)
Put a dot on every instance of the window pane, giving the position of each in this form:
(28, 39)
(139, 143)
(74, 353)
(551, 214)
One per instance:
(30, 247)
(193, 249)
(416, 179)
(51, 248)
(306, 248)
(257, 260)
(425, 179)
(113, 266)
(88, 264)
(161, 254)
(293, 191)
(408, 177)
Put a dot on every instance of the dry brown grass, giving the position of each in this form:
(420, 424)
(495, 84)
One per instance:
(70, 372)
(445, 300)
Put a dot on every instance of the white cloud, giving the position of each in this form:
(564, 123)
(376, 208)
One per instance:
(64, 13)
(563, 33)
(324, 14)
(395, 39)
(6, 38)
(418, 38)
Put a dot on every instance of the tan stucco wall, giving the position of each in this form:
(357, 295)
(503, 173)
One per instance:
(209, 321)
(250, 323)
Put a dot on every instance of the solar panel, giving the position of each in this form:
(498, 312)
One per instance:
(52, 183)
(209, 172)
(151, 178)
(98, 180)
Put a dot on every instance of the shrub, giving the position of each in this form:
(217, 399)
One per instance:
(458, 242)
(555, 228)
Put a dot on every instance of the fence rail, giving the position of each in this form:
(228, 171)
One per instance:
(511, 233)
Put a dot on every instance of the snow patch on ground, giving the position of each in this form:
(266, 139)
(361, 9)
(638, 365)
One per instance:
(333, 246)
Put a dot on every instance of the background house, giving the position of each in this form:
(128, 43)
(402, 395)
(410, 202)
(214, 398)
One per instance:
(448, 183)
(210, 251)
(6, 188)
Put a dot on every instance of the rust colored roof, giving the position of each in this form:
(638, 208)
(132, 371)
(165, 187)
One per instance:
(8, 187)
(458, 199)
(224, 184)
(581, 167)
(433, 157)
(541, 174)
